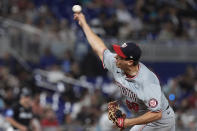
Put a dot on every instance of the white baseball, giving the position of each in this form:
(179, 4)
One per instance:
(76, 8)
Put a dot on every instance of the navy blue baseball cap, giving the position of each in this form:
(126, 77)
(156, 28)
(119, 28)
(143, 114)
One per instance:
(128, 50)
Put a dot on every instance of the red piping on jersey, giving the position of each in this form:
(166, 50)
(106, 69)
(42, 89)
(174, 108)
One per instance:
(133, 77)
(129, 76)
(142, 128)
(103, 58)
(118, 51)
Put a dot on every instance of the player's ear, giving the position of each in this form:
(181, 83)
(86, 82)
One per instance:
(130, 62)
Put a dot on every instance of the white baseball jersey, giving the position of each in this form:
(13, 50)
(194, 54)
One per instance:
(143, 92)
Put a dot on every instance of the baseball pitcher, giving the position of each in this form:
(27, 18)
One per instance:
(139, 86)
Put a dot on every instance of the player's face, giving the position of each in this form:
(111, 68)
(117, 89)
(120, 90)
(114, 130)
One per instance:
(27, 101)
(121, 63)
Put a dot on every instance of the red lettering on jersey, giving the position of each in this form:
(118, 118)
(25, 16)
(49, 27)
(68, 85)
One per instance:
(132, 106)
(125, 91)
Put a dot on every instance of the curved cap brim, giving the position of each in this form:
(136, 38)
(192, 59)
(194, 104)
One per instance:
(119, 51)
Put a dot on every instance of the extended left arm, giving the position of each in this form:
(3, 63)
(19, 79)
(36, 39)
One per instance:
(143, 119)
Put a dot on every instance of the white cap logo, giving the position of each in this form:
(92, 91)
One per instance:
(124, 45)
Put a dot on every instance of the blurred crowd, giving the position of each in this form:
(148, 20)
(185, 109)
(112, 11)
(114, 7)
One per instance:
(50, 23)
(73, 108)
(52, 26)
(123, 19)
(79, 108)
(182, 92)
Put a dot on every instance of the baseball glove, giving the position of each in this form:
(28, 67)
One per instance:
(115, 114)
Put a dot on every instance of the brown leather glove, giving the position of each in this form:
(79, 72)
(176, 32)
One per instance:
(116, 115)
